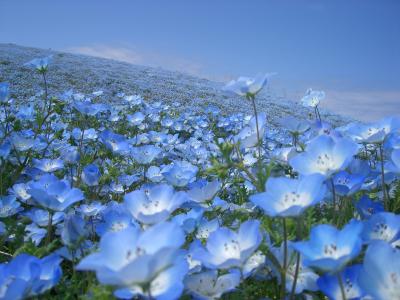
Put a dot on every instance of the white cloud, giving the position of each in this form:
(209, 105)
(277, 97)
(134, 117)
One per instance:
(131, 55)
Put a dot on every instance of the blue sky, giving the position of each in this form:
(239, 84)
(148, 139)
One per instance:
(350, 49)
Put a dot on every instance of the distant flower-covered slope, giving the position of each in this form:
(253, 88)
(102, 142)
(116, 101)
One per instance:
(88, 74)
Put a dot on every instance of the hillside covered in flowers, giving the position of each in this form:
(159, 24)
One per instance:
(145, 199)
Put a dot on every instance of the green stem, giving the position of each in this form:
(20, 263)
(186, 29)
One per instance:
(385, 194)
(339, 277)
(284, 267)
(296, 272)
(49, 228)
(253, 102)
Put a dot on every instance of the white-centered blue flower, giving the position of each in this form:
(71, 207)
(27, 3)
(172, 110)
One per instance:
(226, 248)
(151, 205)
(325, 155)
(380, 275)
(330, 249)
(135, 260)
(285, 197)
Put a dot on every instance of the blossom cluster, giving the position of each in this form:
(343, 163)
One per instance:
(160, 203)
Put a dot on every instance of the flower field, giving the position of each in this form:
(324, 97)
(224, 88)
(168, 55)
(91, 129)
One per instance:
(146, 201)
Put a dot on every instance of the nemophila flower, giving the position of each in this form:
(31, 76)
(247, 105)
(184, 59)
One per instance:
(306, 277)
(4, 91)
(5, 149)
(312, 98)
(382, 226)
(244, 86)
(88, 108)
(188, 221)
(347, 184)
(394, 164)
(226, 248)
(208, 285)
(180, 173)
(21, 143)
(374, 133)
(133, 99)
(154, 174)
(70, 154)
(145, 154)
(89, 134)
(114, 142)
(285, 197)
(330, 286)
(54, 194)
(148, 262)
(324, 156)
(41, 217)
(34, 233)
(330, 249)
(74, 230)
(206, 227)
(247, 137)
(151, 205)
(136, 119)
(366, 207)
(9, 206)
(48, 165)
(294, 125)
(115, 218)
(28, 276)
(40, 64)
(202, 191)
(92, 209)
(380, 274)
(3, 228)
(91, 175)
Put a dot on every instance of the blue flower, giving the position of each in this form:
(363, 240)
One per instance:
(145, 154)
(244, 86)
(248, 135)
(54, 194)
(366, 207)
(180, 173)
(34, 233)
(306, 277)
(394, 164)
(329, 284)
(285, 197)
(324, 155)
(40, 64)
(4, 92)
(114, 142)
(74, 230)
(203, 191)
(330, 249)
(151, 205)
(312, 98)
(48, 165)
(208, 285)
(3, 228)
(41, 217)
(347, 184)
(226, 248)
(9, 206)
(91, 175)
(381, 271)
(382, 226)
(91, 210)
(115, 218)
(28, 276)
(135, 261)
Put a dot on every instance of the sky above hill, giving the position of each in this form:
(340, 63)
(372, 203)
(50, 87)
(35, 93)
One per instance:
(350, 49)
